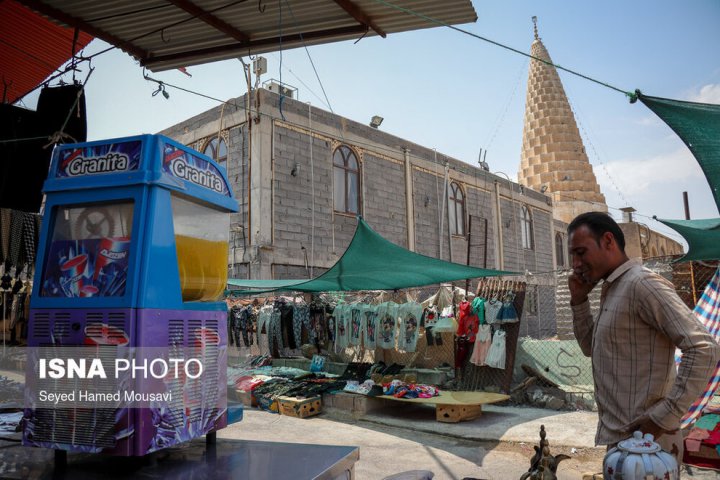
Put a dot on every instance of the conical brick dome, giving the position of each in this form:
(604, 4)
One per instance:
(553, 155)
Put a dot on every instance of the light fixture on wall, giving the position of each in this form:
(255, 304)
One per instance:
(376, 121)
(543, 189)
(295, 170)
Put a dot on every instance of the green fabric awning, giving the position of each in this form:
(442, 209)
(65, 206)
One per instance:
(373, 263)
(703, 237)
(698, 125)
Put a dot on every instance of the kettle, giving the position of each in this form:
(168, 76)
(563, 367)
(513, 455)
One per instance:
(639, 457)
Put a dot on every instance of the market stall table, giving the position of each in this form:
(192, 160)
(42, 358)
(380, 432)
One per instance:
(453, 407)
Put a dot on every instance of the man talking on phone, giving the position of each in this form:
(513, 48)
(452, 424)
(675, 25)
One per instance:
(632, 340)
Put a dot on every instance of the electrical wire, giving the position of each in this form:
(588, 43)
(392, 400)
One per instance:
(631, 95)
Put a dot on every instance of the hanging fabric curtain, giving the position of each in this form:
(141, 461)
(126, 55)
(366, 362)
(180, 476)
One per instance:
(707, 311)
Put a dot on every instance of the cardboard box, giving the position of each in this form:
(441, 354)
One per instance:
(299, 407)
(246, 398)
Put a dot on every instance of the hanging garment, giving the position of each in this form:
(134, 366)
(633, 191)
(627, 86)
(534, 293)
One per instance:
(371, 326)
(429, 320)
(507, 313)
(356, 323)
(447, 322)
(286, 324)
(707, 311)
(318, 323)
(387, 316)
(263, 329)
(483, 340)
(496, 355)
(29, 239)
(232, 322)
(467, 321)
(301, 319)
(274, 332)
(16, 226)
(462, 348)
(478, 308)
(492, 309)
(342, 325)
(5, 225)
(410, 314)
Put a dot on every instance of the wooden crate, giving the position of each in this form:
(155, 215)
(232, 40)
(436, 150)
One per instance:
(299, 407)
(457, 413)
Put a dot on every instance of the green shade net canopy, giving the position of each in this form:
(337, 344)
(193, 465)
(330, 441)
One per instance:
(703, 237)
(698, 125)
(373, 263)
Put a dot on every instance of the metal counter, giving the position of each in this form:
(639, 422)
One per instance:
(236, 459)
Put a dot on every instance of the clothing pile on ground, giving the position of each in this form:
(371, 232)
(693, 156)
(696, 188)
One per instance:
(266, 383)
(702, 443)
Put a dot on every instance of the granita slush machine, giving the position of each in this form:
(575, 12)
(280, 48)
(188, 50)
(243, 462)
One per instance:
(132, 255)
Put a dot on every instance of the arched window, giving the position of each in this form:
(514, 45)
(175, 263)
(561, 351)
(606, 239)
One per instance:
(347, 180)
(456, 209)
(559, 250)
(216, 149)
(526, 228)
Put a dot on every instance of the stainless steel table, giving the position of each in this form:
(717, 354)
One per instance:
(236, 459)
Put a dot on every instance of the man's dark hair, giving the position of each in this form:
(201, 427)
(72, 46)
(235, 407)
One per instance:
(598, 223)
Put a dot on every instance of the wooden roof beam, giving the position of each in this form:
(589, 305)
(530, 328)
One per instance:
(357, 13)
(211, 20)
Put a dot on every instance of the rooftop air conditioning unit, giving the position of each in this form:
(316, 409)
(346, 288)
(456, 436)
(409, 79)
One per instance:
(281, 89)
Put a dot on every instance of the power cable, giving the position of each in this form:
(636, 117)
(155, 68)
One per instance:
(302, 39)
(631, 95)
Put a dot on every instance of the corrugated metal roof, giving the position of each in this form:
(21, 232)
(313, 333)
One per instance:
(165, 34)
(31, 48)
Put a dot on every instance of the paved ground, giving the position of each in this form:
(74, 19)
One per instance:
(498, 445)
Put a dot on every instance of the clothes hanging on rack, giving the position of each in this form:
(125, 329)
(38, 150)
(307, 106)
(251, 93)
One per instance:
(467, 321)
(301, 322)
(496, 354)
(371, 327)
(356, 324)
(409, 314)
(483, 340)
(387, 315)
(428, 321)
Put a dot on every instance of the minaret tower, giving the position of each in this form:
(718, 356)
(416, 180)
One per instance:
(553, 158)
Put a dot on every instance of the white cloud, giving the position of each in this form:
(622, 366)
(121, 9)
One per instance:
(654, 185)
(636, 176)
(709, 93)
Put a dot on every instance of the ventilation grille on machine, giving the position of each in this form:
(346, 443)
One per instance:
(93, 427)
(194, 400)
(74, 426)
(41, 325)
(176, 342)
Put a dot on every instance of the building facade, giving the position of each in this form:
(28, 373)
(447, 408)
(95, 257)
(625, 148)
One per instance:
(302, 175)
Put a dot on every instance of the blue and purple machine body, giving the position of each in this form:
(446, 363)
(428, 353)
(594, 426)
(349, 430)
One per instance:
(132, 256)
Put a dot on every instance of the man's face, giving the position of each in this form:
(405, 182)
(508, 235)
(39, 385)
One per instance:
(589, 256)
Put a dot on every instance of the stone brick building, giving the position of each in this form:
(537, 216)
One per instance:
(301, 174)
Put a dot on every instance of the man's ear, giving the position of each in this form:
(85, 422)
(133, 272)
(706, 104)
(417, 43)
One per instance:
(608, 239)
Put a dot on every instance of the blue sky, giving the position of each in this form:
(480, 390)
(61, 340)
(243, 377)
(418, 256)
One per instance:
(450, 91)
